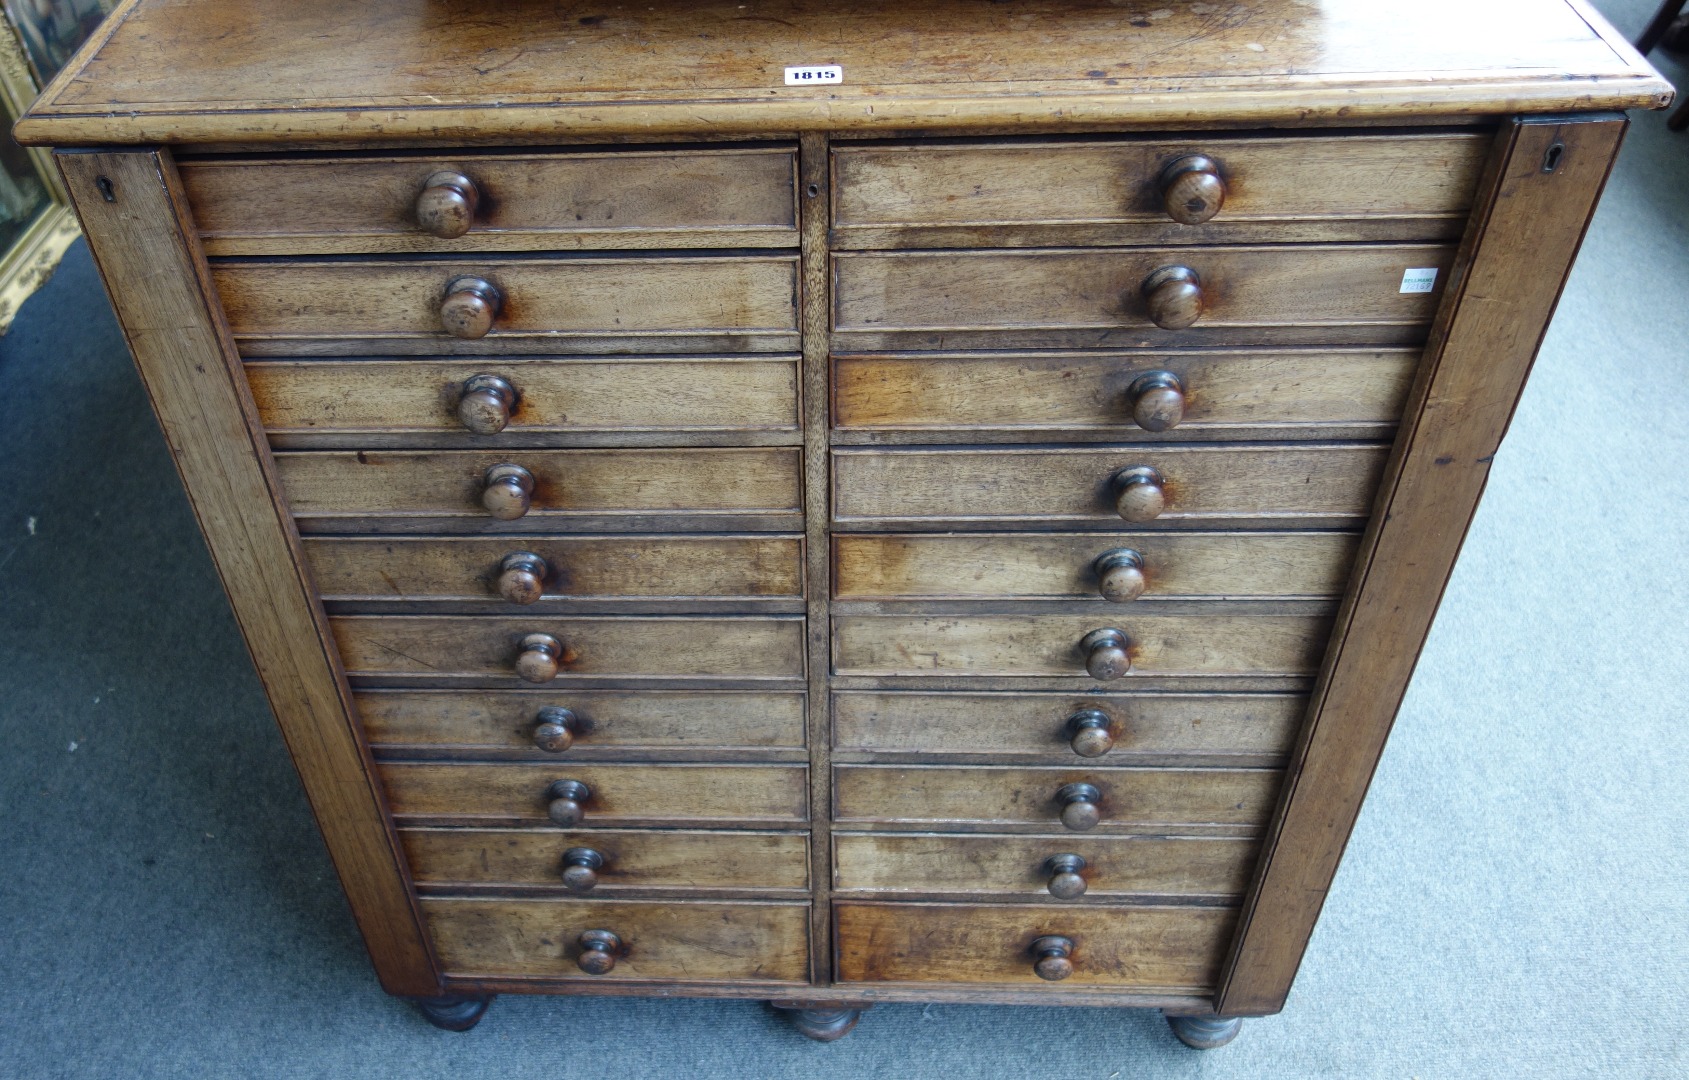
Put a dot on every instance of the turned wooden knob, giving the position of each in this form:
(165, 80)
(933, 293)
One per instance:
(446, 207)
(599, 949)
(1173, 295)
(1079, 809)
(484, 405)
(555, 729)
(565, 801)
(1192, 190)
(521, 577)
(1107, 654)
(1158, 400)
(1065, 881)
(507, 491)
(1140, 494)
(1120, 575)
(539, 659)
(1091, 732)
(469, 307)
(580, 869)
(1054, 957)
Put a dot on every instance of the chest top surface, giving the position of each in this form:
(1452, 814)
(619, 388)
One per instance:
(310, 71)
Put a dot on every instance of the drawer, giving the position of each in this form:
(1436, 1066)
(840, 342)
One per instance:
(1175, 950)
(491, 573)
(1304, 294)
(1294, 484)
(1264, 393)
(1258, 728)
(732, 303)
(385, 490)
(1073, 566)
(430, 649)
(1026, 867)
(1235, 641)
(627, 859)
(513, 202)
(654, 940)
(1114, 191)
(942, 796)
(609, 721)
(511, 793)
(388, 402)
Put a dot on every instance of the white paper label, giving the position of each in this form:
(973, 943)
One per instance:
(815, 75)
(1419, 280)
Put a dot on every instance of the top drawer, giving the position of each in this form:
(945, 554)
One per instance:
(512, 202)
(1235, 189)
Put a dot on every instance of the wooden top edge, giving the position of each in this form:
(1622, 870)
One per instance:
(319, 72)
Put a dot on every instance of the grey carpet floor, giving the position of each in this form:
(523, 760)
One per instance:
(1515, 901)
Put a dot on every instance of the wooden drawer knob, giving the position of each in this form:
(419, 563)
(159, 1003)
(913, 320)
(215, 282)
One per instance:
(555, 729)
(469, 308)
(1173, 295)
(521, 577)
(446, 207)
(1158, 400)
(1140, 494)
(539, 659)
(1079, 809)
(1107, 654)
(599, 949)
(485, 403)
(1192, 190)
(507, 491)
(1053, 957)
(1120, 575)
(580, 869)
(1065, 881)
(1090, 732)
(565, 802)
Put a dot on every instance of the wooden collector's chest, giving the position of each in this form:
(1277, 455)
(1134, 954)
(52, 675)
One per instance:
(838, 502)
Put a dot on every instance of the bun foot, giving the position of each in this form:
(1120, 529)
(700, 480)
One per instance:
(1205, 1032)
(452, 1012)
(823, 1021)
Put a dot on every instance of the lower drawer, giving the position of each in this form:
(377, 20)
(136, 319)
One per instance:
(629, 940)
(1027, 866)
(518, 794)
(1172, 949)
(625, 859)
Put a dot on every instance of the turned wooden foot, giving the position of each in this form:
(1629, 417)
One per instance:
(823, 1021)
(1205, 1032)
(454, 1013)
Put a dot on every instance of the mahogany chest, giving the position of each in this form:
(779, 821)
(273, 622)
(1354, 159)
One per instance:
(838, 503)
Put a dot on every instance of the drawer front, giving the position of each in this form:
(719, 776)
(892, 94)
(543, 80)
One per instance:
(448, 485)
(1200, 484)
(1064, 566)
(1260, 394)
(661, 940)
(1235, 643)
(426, 648)
(634, 199)
(1175, 950)
(630, 859)
(938, 796)
(478, 721)
(1307, 294)
(1110, 191)
(1020, 866)
(620, 795)
(642, 304)
(1258, 726)
(559, 397)
(469, 569)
